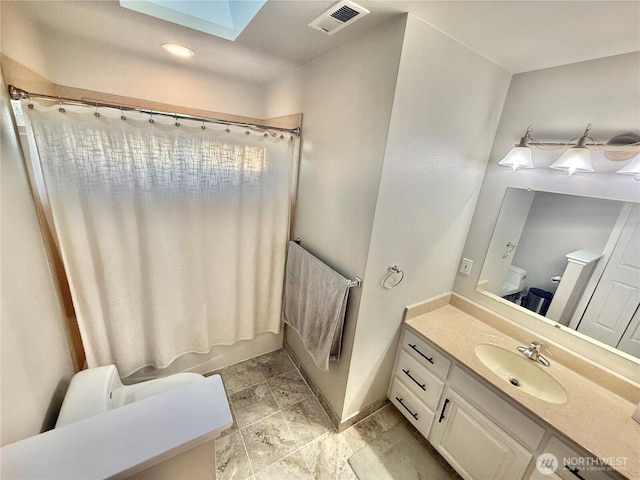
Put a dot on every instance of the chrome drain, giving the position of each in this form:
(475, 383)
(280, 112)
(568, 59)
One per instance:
(515, 382)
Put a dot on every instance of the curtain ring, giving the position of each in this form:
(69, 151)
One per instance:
(392, 269)
(175, 116)
(96, 113)
(203, 127)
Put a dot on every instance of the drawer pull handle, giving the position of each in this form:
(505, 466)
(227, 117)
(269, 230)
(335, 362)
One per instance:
(444, 407)
(414, 415)
(430, 360)
(575, 471)
(408, 374)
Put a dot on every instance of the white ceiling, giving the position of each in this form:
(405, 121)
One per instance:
(530, 35)
(518, 35)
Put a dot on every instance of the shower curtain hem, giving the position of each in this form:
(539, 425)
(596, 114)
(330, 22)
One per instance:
(129, 373)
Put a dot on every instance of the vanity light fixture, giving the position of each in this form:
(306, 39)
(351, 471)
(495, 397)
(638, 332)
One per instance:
(632, 168)
(520, 155)
(577, 157)
(178, 50)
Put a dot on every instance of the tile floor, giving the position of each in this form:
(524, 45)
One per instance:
(280, 431)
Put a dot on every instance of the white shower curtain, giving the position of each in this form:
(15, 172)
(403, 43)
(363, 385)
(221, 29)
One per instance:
(173, 236)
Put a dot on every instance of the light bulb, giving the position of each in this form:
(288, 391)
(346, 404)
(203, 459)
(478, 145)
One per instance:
(178, 50)
(576, 159)
(520, 155)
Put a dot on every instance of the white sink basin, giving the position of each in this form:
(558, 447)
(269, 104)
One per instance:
(522, 373)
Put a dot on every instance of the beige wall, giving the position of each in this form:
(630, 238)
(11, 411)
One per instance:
(35, 364)
(559, 102)
(346, 99)
(84, 63)
(446, 109)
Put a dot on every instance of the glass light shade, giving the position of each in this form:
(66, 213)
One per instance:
(632, 168)
(576, 159)
(518, 157)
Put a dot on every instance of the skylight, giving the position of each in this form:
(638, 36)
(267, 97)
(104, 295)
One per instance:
(223, 18)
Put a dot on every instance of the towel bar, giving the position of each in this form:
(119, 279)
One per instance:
(357, 282)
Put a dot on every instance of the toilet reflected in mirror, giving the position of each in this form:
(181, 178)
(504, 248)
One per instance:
(514, 282)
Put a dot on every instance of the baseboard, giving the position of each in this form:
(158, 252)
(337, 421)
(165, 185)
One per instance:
(339, 424)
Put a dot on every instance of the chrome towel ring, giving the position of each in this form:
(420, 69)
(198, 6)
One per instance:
(393, 270)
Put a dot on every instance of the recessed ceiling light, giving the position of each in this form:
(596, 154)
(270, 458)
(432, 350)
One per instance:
(178, 50)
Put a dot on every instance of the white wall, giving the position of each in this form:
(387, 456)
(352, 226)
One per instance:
(513, 214)
(346, 99)
(35, 364)
(445, 112)
(416, 210)
(561, 224)
(559, 102)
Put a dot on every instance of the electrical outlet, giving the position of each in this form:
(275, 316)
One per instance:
(465, 266)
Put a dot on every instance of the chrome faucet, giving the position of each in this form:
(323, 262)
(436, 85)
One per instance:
(533, 353)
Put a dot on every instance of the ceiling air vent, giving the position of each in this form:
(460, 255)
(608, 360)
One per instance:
(338, 16)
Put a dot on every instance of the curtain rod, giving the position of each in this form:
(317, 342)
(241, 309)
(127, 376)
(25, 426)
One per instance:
(17, 94)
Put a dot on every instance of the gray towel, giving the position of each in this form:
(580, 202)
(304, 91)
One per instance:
(315, 300)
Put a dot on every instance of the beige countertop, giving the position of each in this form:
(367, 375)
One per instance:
(593, 417)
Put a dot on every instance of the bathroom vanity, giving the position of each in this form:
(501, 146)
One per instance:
(492, 416)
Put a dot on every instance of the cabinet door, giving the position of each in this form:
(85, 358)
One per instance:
(572, 464)
(473, 444)
(617, 296)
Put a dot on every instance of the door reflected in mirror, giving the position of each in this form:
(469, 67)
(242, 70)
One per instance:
(573, 260)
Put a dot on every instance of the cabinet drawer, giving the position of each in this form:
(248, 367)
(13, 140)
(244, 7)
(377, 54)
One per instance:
(425, 354)
(412, 408)
(572, 465)
(426, 386)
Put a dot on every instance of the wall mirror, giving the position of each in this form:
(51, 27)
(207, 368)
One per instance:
(569, 259)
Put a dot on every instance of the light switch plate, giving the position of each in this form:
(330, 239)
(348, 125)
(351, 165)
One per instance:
(465, 266)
